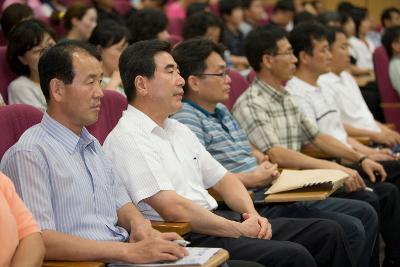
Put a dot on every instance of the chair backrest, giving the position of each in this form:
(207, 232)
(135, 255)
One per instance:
(387, 92)
(251, 76)
(6, 74)
(112, 106)
(14, 121)
(175, 26)
(238, 86)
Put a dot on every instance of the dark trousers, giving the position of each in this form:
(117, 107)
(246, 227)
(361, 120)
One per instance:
(295, 242)
(387, 206)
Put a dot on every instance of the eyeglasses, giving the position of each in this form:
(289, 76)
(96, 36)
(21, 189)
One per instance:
(223, 74)
(287, 53)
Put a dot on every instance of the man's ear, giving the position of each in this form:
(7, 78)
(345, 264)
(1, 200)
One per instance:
(304, 58)
(22, 59)
(57, 89)
(267, 60)
(141, 85)
(193, 82)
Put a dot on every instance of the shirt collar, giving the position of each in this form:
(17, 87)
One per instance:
(296, 82)
(329, 77)
(140, 118)
(274, 93)
(218, 112)
(65, 136)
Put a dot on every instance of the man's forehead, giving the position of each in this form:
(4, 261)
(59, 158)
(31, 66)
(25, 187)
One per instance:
(283, 43)
(215, 59)
(85, 63)
(163, 59)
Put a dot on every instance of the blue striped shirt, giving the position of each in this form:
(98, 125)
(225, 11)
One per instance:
(66, 181)
(220, 134)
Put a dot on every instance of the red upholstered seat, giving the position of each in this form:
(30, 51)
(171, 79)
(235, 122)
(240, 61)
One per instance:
(390, 100)
(6, 74)
(14, 121)
(112, 106)
(238, 86)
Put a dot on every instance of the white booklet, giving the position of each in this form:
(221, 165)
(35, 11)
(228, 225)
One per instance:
(197, 256)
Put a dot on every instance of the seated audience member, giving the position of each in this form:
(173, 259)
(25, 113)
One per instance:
(106, 11)
(176, 10)
(196, 8)
(110, 39)
(22, 244)
(330, 19)
(168, 172)
(147, 24)
(254, 13)
(283, 14)
(36, 6)
(79, 22)
(390, 17)
(204, 24)
(311, 47)
(362, 47)
(12, 15)
(206, 87)
(391, 42)
(304, 16)
(354, 112)
(232, 14)
(276, 127)
(65, 179)
(27, 41)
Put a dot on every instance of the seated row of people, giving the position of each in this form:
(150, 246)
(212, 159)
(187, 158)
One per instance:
(167, 166)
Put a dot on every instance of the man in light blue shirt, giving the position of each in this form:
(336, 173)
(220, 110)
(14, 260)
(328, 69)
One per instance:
(65, 179)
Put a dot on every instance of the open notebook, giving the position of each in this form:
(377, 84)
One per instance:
(302, 185)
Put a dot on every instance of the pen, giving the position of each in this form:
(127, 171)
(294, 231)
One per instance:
(369, 189)
(182, 242)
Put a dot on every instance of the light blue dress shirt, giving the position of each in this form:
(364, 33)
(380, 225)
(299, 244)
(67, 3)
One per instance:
(66, 181)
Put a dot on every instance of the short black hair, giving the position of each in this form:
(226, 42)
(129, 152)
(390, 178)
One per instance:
(345, 7)
(56, 62)
(390, 35)
(78, 11)
(387, 14)
(303, 36)
(197, 25)
(303, 16)
(329, 16)
(247, 3)
(260, 41)
(138, 59)
(12, 15)
(108, 33)
(227, 6)
(285, 6)
(191, 56)
(145, 24)
(22, 38)
(358, 14)
(195, 8)
(331, 34)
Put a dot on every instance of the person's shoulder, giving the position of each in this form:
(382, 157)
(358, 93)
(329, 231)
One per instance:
(19, 82)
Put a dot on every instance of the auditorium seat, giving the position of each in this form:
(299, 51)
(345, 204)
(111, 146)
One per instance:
(6, 74)
(112, 106)
(390, 100)
(238, 86)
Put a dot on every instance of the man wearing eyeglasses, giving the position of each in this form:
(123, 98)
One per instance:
(206, 88)
(167, 172)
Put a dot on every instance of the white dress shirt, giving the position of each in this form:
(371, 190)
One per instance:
(347, 95)
(319, 106)
(150, 158)
(362, 52)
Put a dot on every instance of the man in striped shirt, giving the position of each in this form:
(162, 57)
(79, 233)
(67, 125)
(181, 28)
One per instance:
(65, 179)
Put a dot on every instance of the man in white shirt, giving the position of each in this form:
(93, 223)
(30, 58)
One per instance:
(167, 173)
(354, 113)
(310, 45)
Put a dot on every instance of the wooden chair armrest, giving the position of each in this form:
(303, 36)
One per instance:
(390, 105)
(218, 198)
(72, 264)
(365, 140)
(391, 126)
(181, 228)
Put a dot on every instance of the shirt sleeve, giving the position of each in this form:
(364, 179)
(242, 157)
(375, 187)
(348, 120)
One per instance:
(254, 120)
(29, 172)
(26, 225)
(138, 165)
(394, 74)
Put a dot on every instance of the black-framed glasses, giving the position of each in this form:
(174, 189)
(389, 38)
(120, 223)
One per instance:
(274, 54)
(223, 74)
